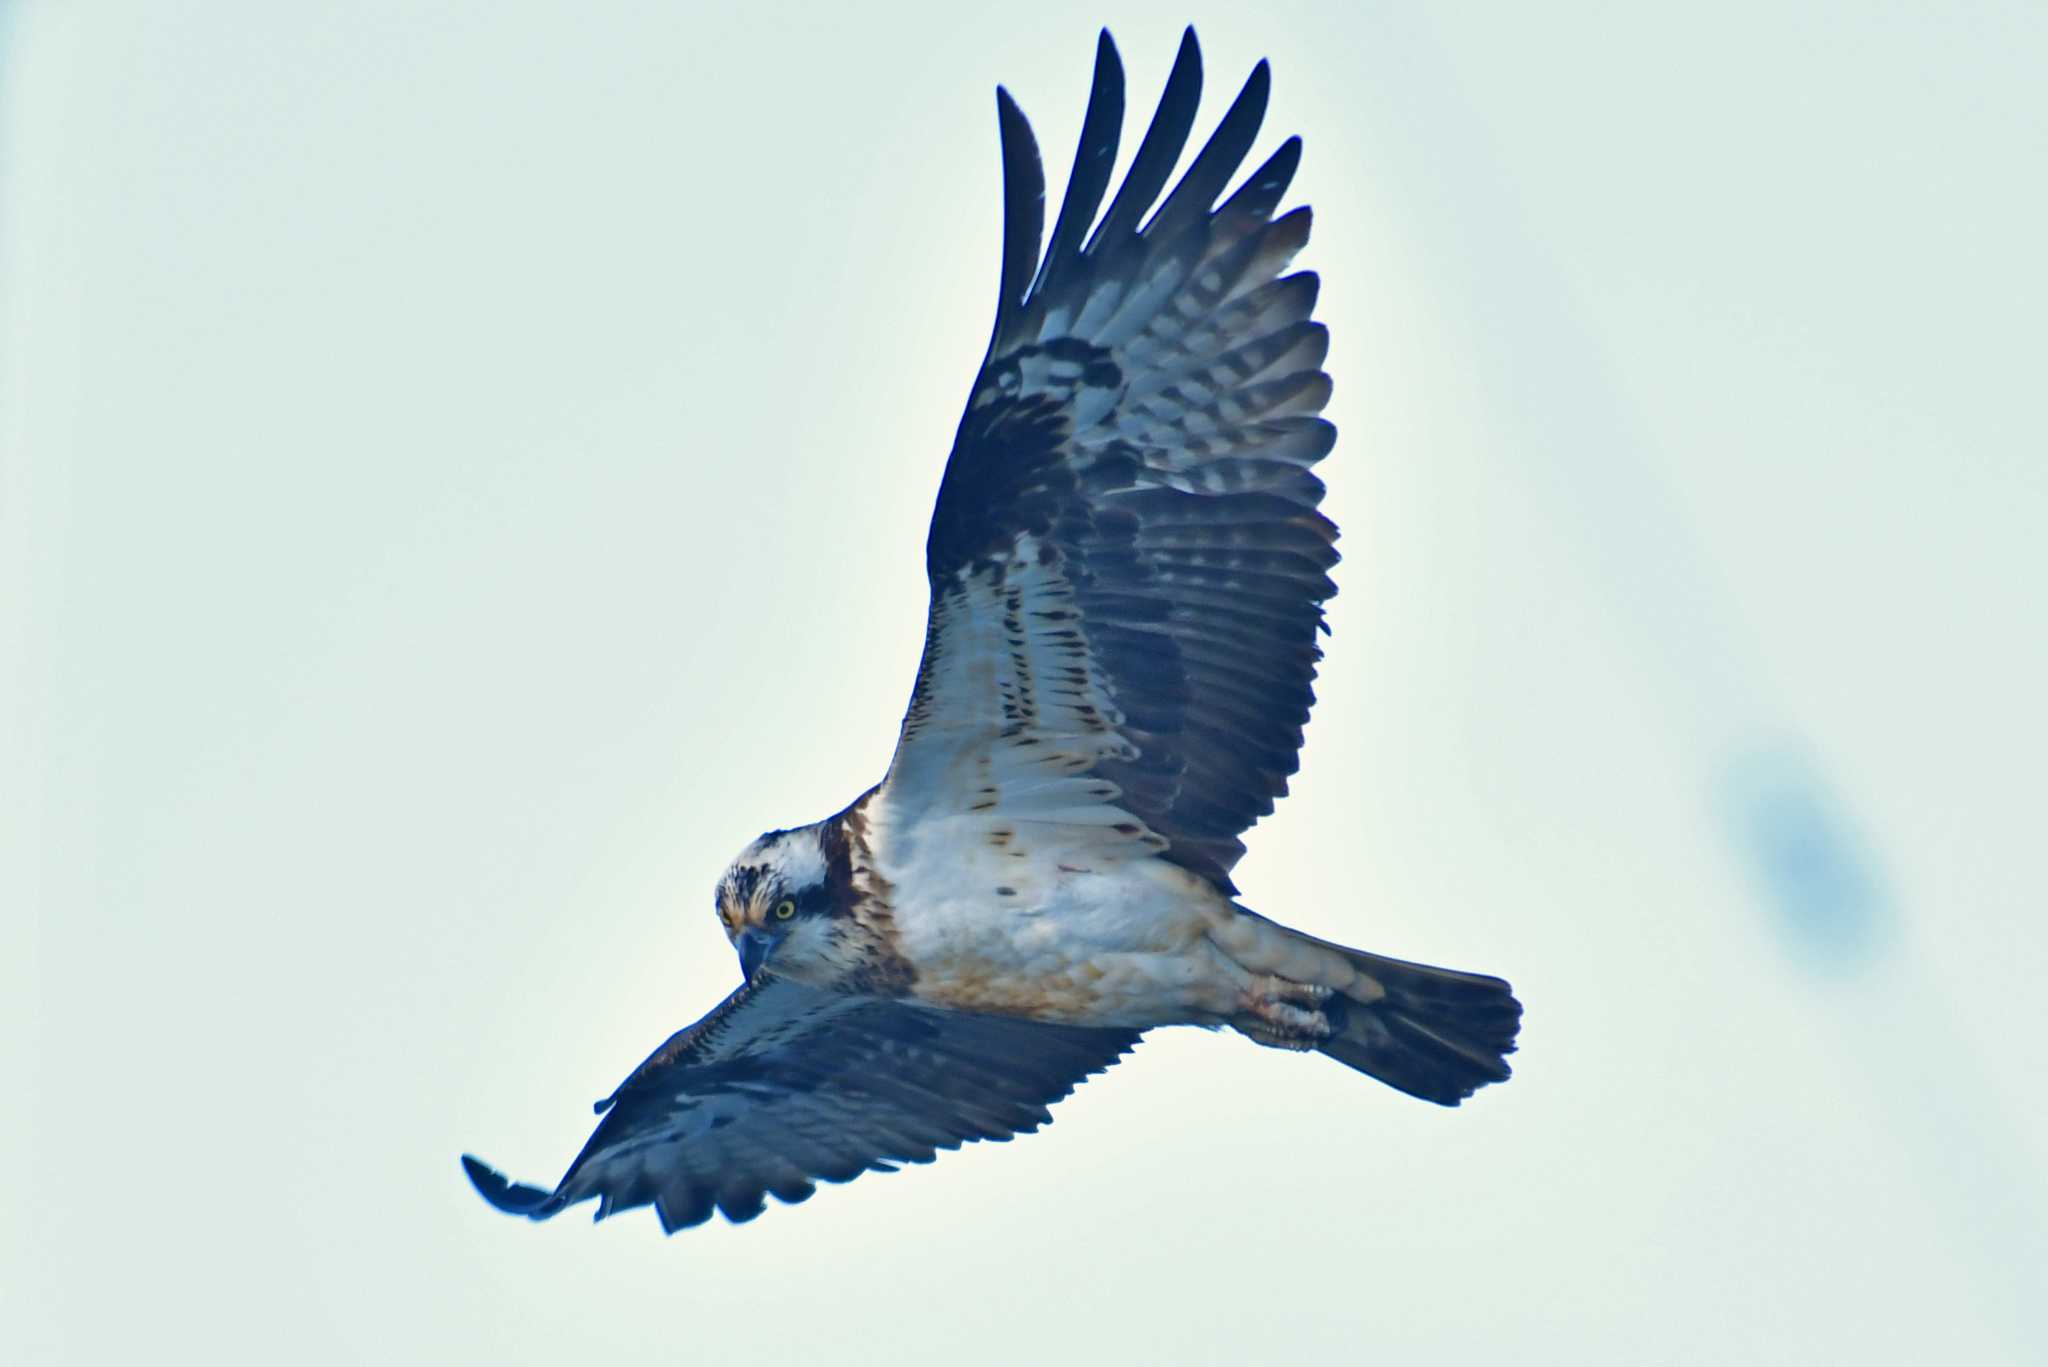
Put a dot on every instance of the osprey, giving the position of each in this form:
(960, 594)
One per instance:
(1127, 572)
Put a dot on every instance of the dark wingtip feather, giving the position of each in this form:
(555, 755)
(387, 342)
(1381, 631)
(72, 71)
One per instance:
(1219, 158)
(1094, 159)
(1160, 148)
(1023, 207)
(1261, 193)
(510, 1197)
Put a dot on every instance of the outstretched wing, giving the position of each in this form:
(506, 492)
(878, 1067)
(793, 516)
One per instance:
(1127, 563)
(783, 1086)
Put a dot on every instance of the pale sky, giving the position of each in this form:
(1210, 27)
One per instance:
(463, 472)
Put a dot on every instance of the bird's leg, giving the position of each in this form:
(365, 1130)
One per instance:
(1284, 1014)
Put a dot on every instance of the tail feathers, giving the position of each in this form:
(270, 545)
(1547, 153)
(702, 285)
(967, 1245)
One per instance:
(1437, 1033)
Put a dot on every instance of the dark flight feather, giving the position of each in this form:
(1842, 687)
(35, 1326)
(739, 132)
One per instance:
(1094, 160)
(1159, 150)
(783, 1086)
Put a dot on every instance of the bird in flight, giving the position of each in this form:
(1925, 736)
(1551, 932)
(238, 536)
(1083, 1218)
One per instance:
(1127, 571)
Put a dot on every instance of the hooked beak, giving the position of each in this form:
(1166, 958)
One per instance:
(753, 946)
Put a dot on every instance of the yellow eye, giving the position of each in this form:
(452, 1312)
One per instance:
(785, 909)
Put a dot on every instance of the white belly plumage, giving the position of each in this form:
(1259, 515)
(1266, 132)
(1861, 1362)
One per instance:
(1062, 931)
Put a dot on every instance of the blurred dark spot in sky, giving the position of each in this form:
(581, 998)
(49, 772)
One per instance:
(1811, 866)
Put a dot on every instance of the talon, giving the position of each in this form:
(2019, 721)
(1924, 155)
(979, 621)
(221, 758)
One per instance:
(1286, 1015)
(1304, 994)
(1281, 990)
(1259, 1034)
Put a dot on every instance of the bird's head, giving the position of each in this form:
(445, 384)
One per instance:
(777, 904)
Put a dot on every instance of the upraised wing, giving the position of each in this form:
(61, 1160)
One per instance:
(1127, 563)
(783, 1086)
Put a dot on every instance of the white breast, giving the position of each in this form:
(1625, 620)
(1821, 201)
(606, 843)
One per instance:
(1052, 923)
